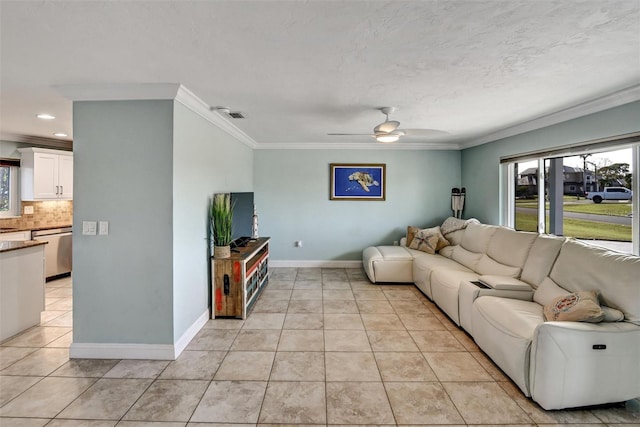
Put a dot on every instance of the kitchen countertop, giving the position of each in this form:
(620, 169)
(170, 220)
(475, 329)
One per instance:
(47, 227)
(15, 245)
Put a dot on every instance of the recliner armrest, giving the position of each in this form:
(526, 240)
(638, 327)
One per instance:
(505, 283)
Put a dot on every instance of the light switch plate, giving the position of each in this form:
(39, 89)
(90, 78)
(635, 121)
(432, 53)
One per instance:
(89, 228)
(103, 228)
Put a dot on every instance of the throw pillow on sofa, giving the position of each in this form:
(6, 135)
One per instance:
(411, 233)
(429, 240)
(575, 307)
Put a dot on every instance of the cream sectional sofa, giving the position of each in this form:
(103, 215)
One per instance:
(559, 364)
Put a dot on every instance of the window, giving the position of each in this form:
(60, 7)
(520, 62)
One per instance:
(9, 200)
(549, 193)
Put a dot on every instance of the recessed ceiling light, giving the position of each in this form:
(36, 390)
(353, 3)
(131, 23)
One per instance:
(45, 116)
(60, 134)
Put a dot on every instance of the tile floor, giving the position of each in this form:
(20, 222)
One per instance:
(321, 347)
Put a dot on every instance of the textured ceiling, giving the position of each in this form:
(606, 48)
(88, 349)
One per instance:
(299, 70)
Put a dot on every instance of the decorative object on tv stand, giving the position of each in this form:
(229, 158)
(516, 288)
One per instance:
(254, 224)
(220, 219)
(457, 201)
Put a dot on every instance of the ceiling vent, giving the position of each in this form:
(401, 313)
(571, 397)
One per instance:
(235, 115)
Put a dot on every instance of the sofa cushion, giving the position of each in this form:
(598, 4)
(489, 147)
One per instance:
(541, 257)
(447, 251)
(425, 264)
(511, 247)
(467, 258)
(411, 233)
(486, 265)
(575, 307)
(455, 237)
(615, 276)
(477, 236)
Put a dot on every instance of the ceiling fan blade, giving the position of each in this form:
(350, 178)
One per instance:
(425, 132)
(349, 134)
(386, 126)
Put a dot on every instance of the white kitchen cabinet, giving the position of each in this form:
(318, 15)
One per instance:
(15, 236)
(46, 174)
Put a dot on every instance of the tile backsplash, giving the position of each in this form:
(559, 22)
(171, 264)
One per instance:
(45, 213)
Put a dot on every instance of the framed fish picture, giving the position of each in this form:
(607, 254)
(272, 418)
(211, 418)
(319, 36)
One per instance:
(357, 181)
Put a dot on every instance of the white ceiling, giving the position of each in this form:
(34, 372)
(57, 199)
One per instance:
(301, 69)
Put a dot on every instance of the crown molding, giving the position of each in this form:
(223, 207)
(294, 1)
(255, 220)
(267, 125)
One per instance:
(154, 91)
(357, 146)
(616, 99)
(38, 141)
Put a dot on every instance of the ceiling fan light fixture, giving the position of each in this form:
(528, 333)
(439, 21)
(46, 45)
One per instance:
(387, 137)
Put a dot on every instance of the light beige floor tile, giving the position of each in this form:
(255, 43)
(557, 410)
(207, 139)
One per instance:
(540, 416)
(363, 284)
(194, 365)
(489, 366)
(24, 422)
(301, 340)
(346, 341)
(282, 273)
(305, 306)
(47, 316)
(294, 403)
(399, 293)
(65, 320)
(62, 342)
(335, 285)
(456, 367)
(369, 294)
(39, 363)
(303, 321)
(339, 294)
(87, 423)
(10, 355)
(46, 398)
(382, 322)
(280, 284)
(484, 403)
(137, 369)
(374, 306)
(466, 340)
(65, 304)
(224, 323)
(231, 402)
(358, 403)
(409, 306)
(245, 366)
(404, 366)
(421, 403)
(298, 366)
(343, 321)
(629, 412)
(264, 321)
(168, 400)
(351, 366)
(90, 368)
(421, 322)
(355, 273)
(334, 273)
(444, 319)
(37, 337)
(257, 340)
(107, 399)
(308, 285)
(340, 307)
(309, 273)
(58, 292)
(11, 386)
(391, 341)
(213, 339)
(282, 294)
(304, 294)
(271, 306)
(432, 341)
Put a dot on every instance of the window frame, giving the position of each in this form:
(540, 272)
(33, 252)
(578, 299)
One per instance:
(14, 190)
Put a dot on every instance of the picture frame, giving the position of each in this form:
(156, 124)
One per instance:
(357, 181)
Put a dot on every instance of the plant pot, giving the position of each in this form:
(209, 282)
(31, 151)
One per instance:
(222, 251)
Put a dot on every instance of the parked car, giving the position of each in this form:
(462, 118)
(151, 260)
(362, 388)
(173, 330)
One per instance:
(610, 193)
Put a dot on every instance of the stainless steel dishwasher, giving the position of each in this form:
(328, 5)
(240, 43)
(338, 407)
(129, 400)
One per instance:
(57, 252)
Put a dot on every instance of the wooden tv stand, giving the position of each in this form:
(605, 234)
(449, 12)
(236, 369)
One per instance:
(239, 279)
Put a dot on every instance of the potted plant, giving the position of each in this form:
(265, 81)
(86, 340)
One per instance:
(220, 219)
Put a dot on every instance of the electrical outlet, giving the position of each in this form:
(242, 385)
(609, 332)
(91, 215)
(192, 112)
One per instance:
(89, 228)
(28, 210)
(298, 243)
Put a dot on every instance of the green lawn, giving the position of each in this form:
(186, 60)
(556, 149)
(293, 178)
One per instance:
(579, 228)
(610, 209)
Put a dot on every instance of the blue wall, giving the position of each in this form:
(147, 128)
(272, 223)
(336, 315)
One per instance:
(292, 199)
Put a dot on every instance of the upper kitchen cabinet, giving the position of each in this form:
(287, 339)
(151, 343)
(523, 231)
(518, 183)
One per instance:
(46, 174)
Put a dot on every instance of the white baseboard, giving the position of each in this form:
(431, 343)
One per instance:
(309, 263)
(137, 351)
(191, 332)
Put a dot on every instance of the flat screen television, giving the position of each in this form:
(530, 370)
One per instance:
(242, 223)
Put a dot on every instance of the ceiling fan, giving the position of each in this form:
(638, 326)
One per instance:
(388, 131)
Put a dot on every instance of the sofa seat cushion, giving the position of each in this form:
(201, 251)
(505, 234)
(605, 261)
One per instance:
(388, 264)
(445, 285)
(504, 329)
(425, 264)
